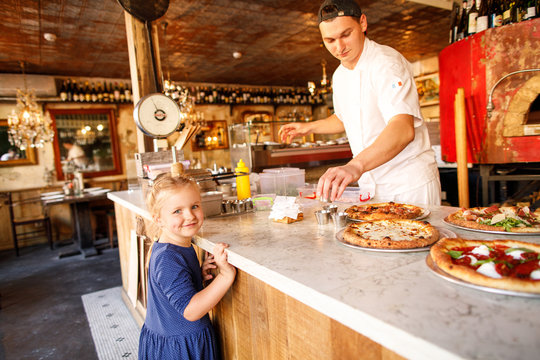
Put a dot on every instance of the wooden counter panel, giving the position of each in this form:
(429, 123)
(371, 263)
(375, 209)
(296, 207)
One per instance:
(256, 321)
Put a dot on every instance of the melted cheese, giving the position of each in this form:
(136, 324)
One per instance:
(481, 250)
(516, 254)
(488, 269)
(535, 275)
(473, 259)
(384, 232)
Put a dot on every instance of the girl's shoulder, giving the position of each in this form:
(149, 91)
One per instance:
(170, 252)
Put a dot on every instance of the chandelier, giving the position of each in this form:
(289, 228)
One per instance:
(26, 125)
(325, 87)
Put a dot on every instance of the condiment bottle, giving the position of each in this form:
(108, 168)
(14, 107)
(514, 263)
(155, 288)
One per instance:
(243, 190)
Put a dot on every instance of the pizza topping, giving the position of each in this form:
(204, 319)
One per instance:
(497, 261)
(488, 269)
(535, 275)
(481, 250)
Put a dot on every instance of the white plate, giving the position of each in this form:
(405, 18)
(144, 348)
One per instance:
(98, 192)
(442, 233)
(444, 275)
(51, 193)
(489, 231)
(425, 213)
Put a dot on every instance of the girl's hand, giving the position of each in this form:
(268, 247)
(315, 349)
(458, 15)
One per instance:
(207, 267)
(220, 259)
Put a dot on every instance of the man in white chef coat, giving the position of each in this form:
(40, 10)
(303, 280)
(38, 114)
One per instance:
(376, 104)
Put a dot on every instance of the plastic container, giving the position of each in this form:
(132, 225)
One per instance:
(307, 191)
(243, 189)
(282, 181)
(211, 202)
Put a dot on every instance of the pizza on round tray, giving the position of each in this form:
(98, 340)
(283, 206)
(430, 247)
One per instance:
(391, 234)
(383, 211)
(501, 264)
(494, 218)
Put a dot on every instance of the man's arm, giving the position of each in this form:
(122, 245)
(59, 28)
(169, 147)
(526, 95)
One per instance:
(392, 140)
(330, 125)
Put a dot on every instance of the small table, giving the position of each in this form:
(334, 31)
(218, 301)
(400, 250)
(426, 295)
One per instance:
(80, 213)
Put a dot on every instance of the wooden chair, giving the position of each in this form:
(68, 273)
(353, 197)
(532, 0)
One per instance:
(41, 224)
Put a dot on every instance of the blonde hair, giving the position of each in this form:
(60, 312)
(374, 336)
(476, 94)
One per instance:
(163, 185)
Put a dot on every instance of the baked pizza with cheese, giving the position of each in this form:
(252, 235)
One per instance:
(494, 218)
(383, 211)
(391, 234)
(501, 264)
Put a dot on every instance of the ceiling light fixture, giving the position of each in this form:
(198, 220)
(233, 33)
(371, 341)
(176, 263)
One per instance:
(27, 127)
(237, 54)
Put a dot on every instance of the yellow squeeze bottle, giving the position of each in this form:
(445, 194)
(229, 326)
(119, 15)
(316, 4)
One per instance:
(243, 190)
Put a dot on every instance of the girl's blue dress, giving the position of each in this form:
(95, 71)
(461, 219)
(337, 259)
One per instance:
(174, 276)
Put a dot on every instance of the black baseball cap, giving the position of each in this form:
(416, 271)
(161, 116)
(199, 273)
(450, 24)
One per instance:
(334, 8)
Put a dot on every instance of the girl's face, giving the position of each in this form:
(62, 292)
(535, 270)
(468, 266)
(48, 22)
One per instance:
(181, 216)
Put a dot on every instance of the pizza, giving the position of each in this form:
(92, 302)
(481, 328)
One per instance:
(380, 211)
(494, 218)
(502, 264)
(391, 234)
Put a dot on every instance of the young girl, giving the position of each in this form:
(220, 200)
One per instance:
(177, 325)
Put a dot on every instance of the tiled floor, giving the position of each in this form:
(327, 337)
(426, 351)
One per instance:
(115, 332)
(42, 314)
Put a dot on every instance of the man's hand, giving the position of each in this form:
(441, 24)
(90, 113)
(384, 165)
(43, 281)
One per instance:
(290, 131)
(334, 181)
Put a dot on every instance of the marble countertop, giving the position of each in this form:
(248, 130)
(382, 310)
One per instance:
(392, 298)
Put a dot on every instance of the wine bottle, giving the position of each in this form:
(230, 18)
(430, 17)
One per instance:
(93, 93)
(530, 10)
(495, 13)
(462, 27)
(482, 22)
(116, 92)
(87, 94)
(106, 93)
(507, 13)
(99, 92)
(75, 91)
(127, 93)
(122, 93)
(63, 91)
(472, 16)
(454, 19)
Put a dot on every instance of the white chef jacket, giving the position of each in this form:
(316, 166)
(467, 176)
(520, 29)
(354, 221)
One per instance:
(379, 87)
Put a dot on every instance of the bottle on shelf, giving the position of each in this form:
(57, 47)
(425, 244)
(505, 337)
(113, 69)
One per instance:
(116, 92)
(87, 94)
(105, 92)
(99, 92)
(122, 93)
(93, 93)
(75, 91)
(472, 16)
(495, 13)
(462, 25)
(507, 12)
(482, 22)
(63, 91)
(454, 19)
(531, 9)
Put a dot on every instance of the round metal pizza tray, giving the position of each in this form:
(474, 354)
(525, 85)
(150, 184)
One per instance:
(442, 233)
(444, 275)
(490, 231)
(425, 213)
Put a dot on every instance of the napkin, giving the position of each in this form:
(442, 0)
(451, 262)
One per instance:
(285, 206)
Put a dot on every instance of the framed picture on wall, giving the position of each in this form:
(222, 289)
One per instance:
(428, 89)
(11, 155)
